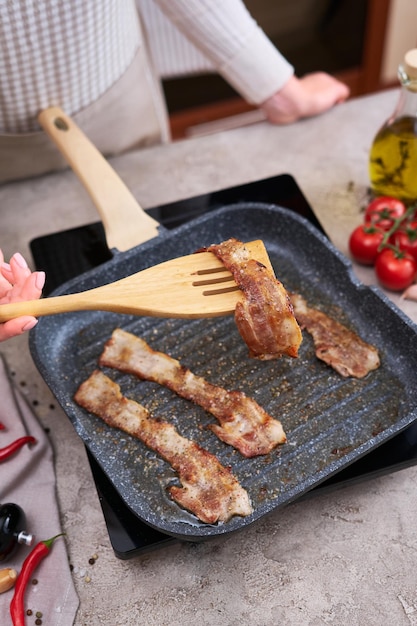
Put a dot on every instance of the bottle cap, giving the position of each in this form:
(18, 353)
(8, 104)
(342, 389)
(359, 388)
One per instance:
(410, 64)
(26, 538)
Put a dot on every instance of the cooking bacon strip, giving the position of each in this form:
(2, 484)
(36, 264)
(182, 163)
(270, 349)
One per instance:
(335, 344)
(265, 318)
(243, 423)
(208, 489)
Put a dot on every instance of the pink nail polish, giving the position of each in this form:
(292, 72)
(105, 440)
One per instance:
(40, 280)
(20, 260)
(29, 325)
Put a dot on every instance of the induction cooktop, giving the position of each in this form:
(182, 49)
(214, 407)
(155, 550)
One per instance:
(67, 254)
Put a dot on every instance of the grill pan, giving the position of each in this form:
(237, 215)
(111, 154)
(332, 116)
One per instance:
(330, 421)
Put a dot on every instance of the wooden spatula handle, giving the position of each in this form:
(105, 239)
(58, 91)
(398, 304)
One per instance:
(45, 306)
(125, 223)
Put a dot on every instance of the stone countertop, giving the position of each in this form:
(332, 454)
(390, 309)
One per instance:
(346, 557)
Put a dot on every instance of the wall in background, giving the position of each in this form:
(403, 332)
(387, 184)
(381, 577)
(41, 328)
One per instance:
(401, 36)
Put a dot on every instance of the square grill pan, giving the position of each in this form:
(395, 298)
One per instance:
(330, 421)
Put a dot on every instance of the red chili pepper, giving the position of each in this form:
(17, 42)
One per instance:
(17, 605)
(2, 426)
(13, 447)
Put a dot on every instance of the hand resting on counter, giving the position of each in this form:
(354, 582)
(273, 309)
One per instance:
(304, 97)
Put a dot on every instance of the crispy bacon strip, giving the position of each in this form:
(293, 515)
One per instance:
(265, 318)
(208, 489)
(335, 344)
(243, 423)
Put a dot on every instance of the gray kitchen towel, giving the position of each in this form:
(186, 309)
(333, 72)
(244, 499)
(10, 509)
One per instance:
(28, 479)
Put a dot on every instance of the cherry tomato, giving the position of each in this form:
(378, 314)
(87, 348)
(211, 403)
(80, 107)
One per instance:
(382, 211)
(406, 239)
(395, 270)
(364, 242)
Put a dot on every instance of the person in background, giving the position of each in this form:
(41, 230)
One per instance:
(103, 62)
(18, 283)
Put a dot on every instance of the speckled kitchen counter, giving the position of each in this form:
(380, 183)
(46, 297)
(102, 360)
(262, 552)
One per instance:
(346, 557)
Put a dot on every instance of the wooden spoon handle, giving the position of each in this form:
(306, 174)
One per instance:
(125, 222)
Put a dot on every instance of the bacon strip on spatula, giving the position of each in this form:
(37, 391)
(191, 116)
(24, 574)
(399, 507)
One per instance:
(265, 317)
(208, 489)
(243, 424)
(335, 344)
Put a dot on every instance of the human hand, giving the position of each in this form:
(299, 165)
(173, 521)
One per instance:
(18, 283)
(304, 97)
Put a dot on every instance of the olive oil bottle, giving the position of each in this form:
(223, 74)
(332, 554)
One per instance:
(393, 155)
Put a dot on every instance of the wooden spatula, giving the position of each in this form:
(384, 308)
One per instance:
(196, 285)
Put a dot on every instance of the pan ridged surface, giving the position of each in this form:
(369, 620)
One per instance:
(330, 421)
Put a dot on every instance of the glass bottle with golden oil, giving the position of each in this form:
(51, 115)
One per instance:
(393, 156)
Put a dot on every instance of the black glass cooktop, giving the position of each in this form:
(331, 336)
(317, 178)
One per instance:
(67, 254)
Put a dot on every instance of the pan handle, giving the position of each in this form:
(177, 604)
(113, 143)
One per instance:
(117, 207)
